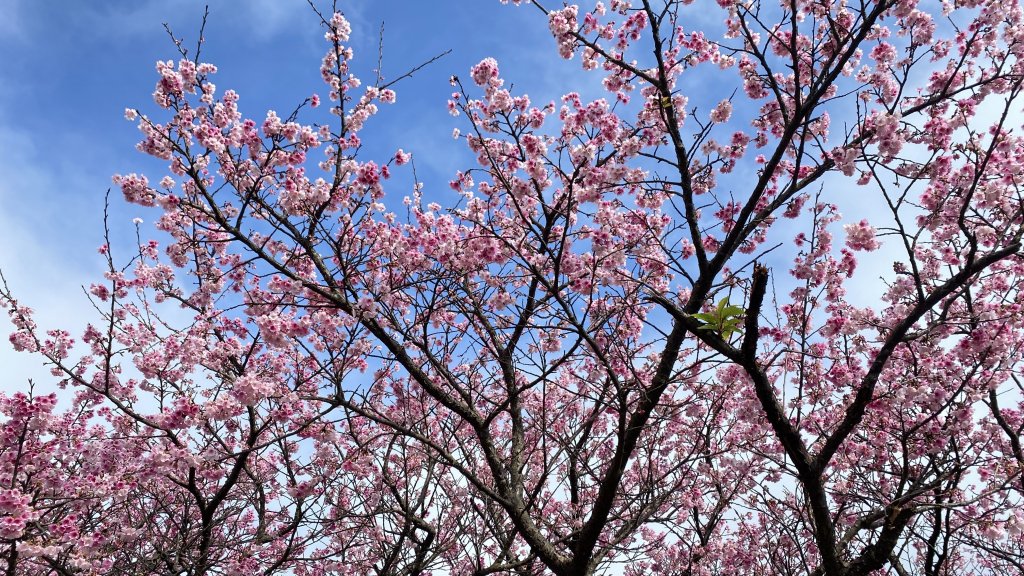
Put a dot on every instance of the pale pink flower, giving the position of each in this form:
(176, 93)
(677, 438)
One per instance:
(721, 112)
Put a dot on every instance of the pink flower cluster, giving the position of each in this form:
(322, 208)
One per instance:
(861, 236)
(593, 355)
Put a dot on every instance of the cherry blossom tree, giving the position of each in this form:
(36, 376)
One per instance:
(626, 341)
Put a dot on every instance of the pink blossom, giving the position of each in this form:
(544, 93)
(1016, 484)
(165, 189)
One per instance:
(721, 112)
(861, 236)
(627, 340)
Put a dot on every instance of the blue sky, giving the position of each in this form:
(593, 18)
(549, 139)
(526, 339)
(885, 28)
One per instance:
(71, 68)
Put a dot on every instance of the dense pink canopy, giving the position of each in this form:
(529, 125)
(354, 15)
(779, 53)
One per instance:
(635, 341)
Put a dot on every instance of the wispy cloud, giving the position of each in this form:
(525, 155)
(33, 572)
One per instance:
(43, 252)
(249, 20)
(11, 25)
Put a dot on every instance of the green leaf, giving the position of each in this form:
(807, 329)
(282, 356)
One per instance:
(725, 318)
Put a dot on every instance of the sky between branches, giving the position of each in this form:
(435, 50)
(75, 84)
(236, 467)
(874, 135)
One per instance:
(69, 69)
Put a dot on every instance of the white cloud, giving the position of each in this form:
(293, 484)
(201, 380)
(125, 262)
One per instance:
(11, 24)
(252, 19)
(46, 240)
